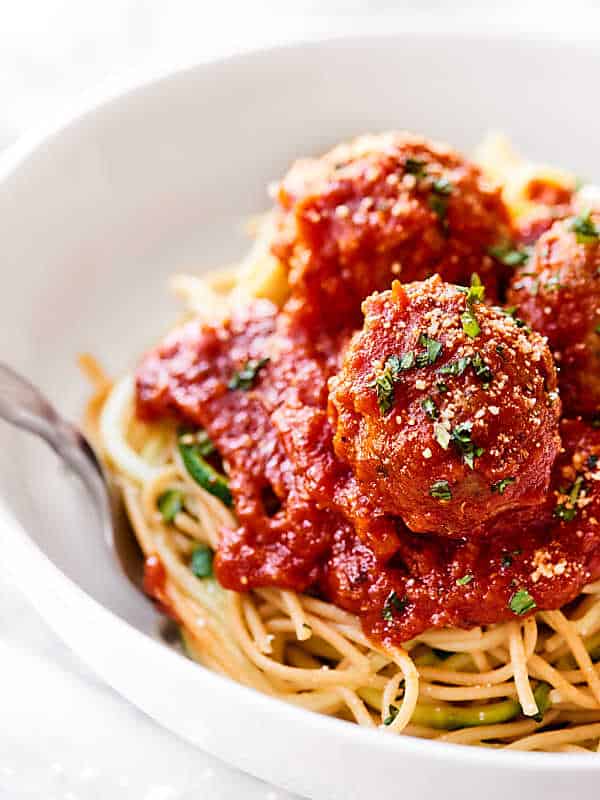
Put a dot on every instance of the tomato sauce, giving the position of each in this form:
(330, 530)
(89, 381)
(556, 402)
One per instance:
(275, 439)
(291, 433)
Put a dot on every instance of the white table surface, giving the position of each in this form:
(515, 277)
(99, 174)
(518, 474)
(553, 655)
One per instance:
(64, 734)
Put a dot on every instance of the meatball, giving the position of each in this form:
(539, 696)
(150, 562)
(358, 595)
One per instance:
(558, 293)
(384, 207)
(445, 409)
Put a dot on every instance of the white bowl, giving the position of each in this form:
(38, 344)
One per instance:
(96, 213)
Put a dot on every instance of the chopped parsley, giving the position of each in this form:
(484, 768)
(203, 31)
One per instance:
(441, 387)
(502, 485)
(439, 205)
(440, 490)
(585, 229)
(407, 361)
(442, 186)
(521, 602)
(553, 284)
(509, 255)
(393, 713)
(567, 511)
(245, 377)
(476, 291)
(429, 407)
(441, 434)
(507, 558)
(597, 329)
(415, 166)
(432, 352)
(456, 368)
(393, 604)
(465, 580)
(481, 369)
(202, 561)
(170, 503)
(592, 462)
(461, 438)
(475, 294)
(510, 311)
(384, 385)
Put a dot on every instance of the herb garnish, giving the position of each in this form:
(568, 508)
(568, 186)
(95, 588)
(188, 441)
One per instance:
(202, 561)
(407, 361)
(455, 368)
(439, 205)
(461, 438)
(393, 713)
(553, 284)
(481, 369)
(441, 387)
(592, 461)
(510, 311)
(521, 602)
(384, 385)
(441, 189)
(502, 485)
(415, 166)
(440, 490)
(432, 352)
(429, 407)
(506, 253)
(567, 511)
(465, 580)
(585, 229)
(170, 503)
(442, 186)
(393, 604)
(475, 294)
(385, 382)
(245, 377)
(507, 558)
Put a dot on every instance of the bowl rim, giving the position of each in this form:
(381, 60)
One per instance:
(26, 554)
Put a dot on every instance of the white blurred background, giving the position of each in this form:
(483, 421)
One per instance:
(63, 734)
(52, 50)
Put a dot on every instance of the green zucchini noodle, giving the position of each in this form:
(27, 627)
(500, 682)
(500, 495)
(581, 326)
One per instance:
(530, 684)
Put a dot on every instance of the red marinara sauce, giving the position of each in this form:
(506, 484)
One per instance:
(275, 439)
(311, 515)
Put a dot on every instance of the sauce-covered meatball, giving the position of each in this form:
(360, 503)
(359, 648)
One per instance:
(558, 293)
(385, 207)
(445, 409)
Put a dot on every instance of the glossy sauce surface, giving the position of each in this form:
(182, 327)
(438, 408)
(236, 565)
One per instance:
(300, 440)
